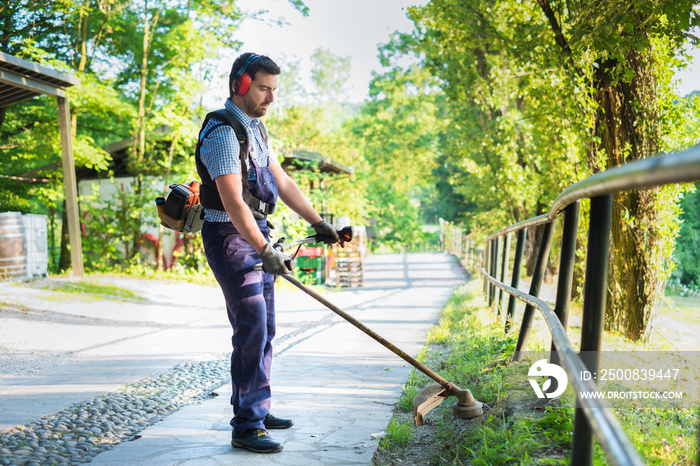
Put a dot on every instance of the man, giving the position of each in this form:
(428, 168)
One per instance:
(236, 238)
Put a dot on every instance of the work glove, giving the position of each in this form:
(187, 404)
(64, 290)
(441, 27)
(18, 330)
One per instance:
(274, 261)
(326, 232)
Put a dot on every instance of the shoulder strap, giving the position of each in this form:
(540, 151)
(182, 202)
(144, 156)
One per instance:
(242, 135)
(263, 133)
(209, 194)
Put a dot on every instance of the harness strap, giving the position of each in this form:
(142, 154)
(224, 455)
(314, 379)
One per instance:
(257, 204)
(209, 194)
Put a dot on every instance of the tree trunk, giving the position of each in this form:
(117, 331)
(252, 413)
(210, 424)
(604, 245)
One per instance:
(634, 284)
(625, 125)
(148, 28)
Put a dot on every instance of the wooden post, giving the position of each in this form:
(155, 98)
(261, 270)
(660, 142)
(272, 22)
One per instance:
(70, 186)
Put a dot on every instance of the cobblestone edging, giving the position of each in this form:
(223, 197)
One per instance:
(82, 431)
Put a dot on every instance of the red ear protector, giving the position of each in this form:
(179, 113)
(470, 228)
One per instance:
(243, 80)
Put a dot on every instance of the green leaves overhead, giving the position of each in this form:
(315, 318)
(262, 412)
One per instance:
(543, 93)
(513, 122)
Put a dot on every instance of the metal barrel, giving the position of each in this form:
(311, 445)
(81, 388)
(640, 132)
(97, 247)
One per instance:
(13, 248)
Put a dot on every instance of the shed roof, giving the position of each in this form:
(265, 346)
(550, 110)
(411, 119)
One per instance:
(119, 153)
(22, 80)
(325, 164)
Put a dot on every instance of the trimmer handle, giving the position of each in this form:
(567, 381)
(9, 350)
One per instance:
(345, 235)
(288, 263)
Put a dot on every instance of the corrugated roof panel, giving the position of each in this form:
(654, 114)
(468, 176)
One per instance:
(11, 94)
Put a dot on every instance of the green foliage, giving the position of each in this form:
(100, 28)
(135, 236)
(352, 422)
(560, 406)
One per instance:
(113, 226)
(512, 123)
(320, 129)
(26, 159)
(330, 75)
(662, 436)
(542, 94)
(398, 131)
(142, 67)
(102, 116)
(687, 252)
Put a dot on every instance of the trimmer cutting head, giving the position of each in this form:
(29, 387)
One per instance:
(433, 395)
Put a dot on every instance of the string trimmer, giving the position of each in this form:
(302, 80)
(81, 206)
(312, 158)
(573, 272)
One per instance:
(427, 399)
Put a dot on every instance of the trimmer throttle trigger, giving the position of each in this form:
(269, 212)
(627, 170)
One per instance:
(345, 235)
(278, 245)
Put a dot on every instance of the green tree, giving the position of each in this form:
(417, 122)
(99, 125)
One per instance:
(141, 63)
(399, 129)
(687, 252)
(545, 93)
(314, 128)
(330, 75)
(627, 50)
(512, 136)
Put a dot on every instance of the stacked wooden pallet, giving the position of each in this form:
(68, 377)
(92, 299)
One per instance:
(349, 268)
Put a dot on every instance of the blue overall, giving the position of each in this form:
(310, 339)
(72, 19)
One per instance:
(250, 304)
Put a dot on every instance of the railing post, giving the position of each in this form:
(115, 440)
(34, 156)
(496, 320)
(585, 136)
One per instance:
(535, 286)
(504, 267)
(515, 280)
(566, 269)
(593, 315)
(494, 269)
(487, 267)
(470, 255)
(465, 253)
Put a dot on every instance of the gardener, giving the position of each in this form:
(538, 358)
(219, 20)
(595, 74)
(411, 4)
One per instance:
(236, 237)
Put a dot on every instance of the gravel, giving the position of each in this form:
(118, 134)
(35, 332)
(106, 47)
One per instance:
(83, 430)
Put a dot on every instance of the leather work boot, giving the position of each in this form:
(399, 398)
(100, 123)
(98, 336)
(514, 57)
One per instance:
(272, 422)
(257, 440)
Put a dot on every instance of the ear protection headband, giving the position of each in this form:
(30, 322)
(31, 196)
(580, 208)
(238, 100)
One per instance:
(242, 81)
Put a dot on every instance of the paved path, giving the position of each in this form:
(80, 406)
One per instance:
(338, 384)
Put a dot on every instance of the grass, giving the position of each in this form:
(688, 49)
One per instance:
(94, 289)
(469, 348)
(398, 435)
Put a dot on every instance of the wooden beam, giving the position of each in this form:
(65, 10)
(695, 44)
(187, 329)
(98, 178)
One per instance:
(28, 68)
(70, 186)
(30, 84)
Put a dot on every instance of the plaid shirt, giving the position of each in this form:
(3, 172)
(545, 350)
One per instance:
(220, 151)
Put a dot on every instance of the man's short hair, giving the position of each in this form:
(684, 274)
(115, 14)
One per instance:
(255, 63)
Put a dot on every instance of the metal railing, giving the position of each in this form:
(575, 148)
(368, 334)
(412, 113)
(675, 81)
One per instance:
(593, 419)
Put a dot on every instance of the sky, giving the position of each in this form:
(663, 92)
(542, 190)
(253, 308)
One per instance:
(347, 28)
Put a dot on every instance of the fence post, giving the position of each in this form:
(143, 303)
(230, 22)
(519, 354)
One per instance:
(593, 315)
(566, 269)
(504, 267)
(465, 253)
(515, 280)
(494, 269)
(487, 267)
(535, 286)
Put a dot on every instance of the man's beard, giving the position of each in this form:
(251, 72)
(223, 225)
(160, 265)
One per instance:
(257, 111)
